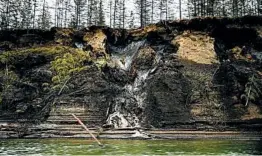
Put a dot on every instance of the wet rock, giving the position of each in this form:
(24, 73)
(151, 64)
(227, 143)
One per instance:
(118, 120)
(123, 57)
(116, 76)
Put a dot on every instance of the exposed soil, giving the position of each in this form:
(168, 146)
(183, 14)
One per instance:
(199, 74)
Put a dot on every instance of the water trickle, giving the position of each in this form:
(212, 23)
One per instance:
(123, 57)
(134, 94)
(79, 45)
(118, 120)
(136, 89)
(139, 134)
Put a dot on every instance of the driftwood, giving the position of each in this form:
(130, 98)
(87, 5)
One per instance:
(84, 126)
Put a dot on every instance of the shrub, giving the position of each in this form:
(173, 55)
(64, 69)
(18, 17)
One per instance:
(68, 64)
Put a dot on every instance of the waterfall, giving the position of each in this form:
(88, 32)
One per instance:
(133, 94)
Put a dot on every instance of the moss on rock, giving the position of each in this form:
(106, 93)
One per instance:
(11, 57)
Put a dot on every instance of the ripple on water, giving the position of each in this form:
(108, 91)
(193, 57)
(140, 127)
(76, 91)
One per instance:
(129, 147)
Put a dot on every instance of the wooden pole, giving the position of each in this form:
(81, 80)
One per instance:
(84, 126)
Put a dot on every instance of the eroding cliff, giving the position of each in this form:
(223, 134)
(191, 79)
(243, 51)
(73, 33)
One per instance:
(191, 74)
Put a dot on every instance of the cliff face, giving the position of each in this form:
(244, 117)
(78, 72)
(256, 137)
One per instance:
(201, 73)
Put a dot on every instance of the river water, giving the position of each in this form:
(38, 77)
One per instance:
(130, 147)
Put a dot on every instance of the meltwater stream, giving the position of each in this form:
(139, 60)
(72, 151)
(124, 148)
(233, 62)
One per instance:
(123, 57)
(123, 113)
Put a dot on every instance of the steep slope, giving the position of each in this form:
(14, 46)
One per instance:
(192, 74)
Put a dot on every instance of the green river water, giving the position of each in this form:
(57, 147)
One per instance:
(130, 147)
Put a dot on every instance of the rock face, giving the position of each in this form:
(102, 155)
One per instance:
(188, 75)
(197, 47)
(167, 92)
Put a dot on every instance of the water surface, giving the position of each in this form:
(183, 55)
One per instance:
(129, 147)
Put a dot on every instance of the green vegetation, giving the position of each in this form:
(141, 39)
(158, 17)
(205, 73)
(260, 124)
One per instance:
(68, 64)
(101, 62)
(65, 61)
(8, 79)
(11, 57)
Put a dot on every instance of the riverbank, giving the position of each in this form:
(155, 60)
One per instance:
(42, 131)
(203, 74)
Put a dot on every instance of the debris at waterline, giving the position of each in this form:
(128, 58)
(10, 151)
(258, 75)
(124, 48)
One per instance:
(83, 125)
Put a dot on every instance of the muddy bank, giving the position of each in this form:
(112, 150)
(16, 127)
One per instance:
(200, 74)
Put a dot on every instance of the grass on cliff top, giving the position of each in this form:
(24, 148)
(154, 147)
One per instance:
(50, 52)
(10, 57)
